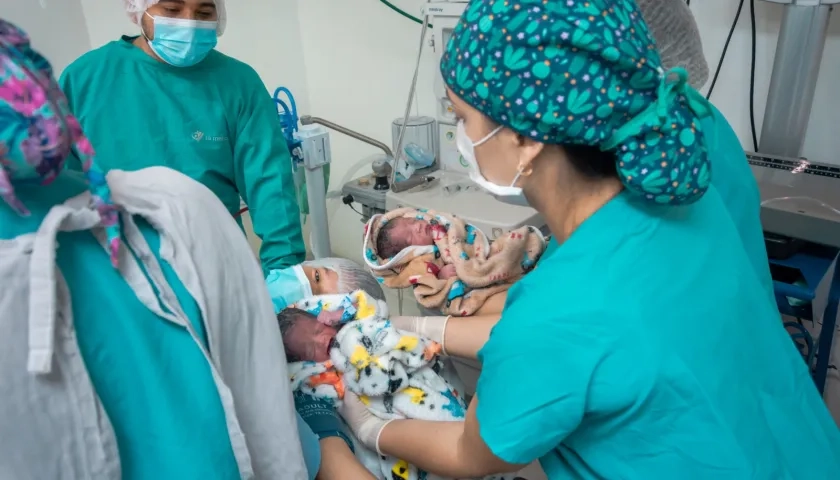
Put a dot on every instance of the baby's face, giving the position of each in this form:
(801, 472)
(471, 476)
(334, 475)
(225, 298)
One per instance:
(322, 280)
(411, 231)
(309, 340)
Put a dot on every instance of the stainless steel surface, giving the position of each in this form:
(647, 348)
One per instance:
(796, 68)
(406, 185)
(308, 120)
(798, 198)
(473, 205)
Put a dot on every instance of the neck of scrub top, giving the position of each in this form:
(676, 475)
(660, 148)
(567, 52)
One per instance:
(143, 52)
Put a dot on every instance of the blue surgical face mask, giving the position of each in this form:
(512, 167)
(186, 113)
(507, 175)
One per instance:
(182, 43)
(287, 287)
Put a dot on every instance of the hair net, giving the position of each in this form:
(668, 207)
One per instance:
(351, 276)
(677, 37)
(38, 132)
(136, 8)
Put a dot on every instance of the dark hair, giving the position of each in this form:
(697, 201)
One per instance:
(386, 247)
(286, 319)
(592, 162)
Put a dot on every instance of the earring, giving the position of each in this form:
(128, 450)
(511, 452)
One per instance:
(526, 171)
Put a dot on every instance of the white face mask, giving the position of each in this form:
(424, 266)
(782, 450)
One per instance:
(507, 194)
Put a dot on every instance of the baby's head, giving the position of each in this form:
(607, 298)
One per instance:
(401, 233)
(304, 338)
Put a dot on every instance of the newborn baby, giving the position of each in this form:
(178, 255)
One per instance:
(450, 265)
(305, 337)
(401, 233)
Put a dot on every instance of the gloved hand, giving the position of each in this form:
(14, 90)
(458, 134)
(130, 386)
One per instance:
(433, 328)
(321, 417)
(366, 426)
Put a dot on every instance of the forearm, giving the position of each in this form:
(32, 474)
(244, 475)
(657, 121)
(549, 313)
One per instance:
(493, 305)
(338, 462)
(409, 440)
(265, 181)
(465, 336)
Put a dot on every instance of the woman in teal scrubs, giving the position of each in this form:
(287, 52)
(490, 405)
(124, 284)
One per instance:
(645, 346)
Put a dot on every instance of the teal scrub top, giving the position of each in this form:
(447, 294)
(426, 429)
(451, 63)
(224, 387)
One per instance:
(738, 188)
(640, 349)
(734, 181)
(153, 380)
(214, 122)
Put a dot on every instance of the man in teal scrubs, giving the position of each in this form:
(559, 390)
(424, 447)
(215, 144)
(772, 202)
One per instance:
(166, 97)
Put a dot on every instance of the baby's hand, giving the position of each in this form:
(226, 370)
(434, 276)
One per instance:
(331, 318)
(448, 271)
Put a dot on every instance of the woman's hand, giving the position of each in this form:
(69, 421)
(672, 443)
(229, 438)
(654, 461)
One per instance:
(366, 426)
(458, 336)
(448, 449)
(432, 328)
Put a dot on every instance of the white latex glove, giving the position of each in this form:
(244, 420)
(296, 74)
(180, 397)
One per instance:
(366, 426)
(433, 328)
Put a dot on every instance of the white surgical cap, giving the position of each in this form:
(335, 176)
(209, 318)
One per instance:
(675, 32)
(136, 8)
(351, 276)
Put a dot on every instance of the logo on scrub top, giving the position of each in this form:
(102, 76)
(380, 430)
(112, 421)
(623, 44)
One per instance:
(199, 136)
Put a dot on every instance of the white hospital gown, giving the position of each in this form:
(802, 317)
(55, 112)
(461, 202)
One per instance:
(41, 369)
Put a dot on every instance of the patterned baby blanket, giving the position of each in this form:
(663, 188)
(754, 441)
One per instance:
(483, 269)
(395, 373)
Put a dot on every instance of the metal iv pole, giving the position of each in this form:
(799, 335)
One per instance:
(793, 82)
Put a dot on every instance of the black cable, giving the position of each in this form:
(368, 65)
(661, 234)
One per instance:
(348, 200)
(752, 77)
(725, 48)
(354, 209)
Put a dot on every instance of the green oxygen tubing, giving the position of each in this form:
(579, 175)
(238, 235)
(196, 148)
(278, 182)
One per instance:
(403, 12)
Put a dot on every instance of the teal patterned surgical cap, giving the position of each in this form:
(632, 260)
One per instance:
(584, 73)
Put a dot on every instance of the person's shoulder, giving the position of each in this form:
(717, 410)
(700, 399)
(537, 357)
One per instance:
(95, 59)
(235, 71)
(721, 137)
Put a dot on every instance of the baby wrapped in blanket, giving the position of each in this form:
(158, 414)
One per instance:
(451, 264)
(339, 342)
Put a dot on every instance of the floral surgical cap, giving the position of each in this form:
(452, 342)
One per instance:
(136, 8)
(38, 132)
(584, 73)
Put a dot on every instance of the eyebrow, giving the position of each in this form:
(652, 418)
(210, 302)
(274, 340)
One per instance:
(201, 5)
